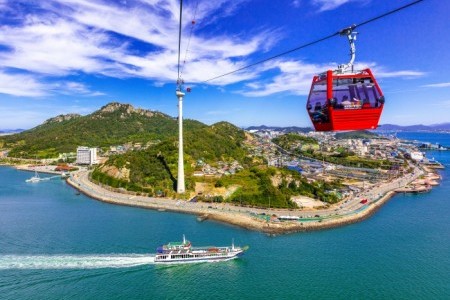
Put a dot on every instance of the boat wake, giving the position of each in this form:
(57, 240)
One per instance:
(74, 261)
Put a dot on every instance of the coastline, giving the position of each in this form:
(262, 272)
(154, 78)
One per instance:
(226, 213)
(44, 170)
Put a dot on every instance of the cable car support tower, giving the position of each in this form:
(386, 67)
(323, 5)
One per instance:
(179, 93)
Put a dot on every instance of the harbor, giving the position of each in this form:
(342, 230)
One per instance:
(43, 169)
(363, 190)
(104, 251)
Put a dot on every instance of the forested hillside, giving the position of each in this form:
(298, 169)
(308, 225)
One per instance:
(113, 124)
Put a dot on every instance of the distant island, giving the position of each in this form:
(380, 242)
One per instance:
(443, 127)
(433, 128)
(10, 131)
(279, 128)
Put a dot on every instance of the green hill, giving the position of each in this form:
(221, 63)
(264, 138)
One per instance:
(154, 169)
(358, 134)
(287, 140)
(113, 124)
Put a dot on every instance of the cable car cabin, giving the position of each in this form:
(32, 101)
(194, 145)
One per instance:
(345, 101)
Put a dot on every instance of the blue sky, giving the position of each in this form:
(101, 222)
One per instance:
(73, 56)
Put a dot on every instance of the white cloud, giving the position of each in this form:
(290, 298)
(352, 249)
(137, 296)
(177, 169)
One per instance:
(296, 3)
(53, 47)
(438, 85)
(32, 86)
(329, 4)
(73, 88)
(156, 23)
(21, 85)
(98, 37)
(440, 103)
(383, 72)
(446, 103)
(295, 77)
(325, 5)
(73, 36)
(406, 74)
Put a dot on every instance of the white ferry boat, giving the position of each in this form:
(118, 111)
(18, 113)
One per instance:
(35, 178)
(183, 252)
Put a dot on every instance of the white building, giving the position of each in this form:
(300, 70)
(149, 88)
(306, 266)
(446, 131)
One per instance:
(416, 155)
(86, 156)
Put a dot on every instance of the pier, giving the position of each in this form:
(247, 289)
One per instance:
(414, 189)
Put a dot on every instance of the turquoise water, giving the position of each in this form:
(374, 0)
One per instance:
(55, 244)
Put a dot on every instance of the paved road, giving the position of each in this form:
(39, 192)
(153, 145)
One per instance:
(350, 206)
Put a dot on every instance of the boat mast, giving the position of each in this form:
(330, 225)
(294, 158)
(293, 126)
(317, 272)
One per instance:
(35, 170)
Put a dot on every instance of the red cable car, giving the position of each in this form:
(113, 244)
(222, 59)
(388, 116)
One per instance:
(344, 99)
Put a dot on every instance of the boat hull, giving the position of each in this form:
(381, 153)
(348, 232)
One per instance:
(190, 260)
(195, 261)
(33, 179)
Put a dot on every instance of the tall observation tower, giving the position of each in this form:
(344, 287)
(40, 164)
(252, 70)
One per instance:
(180, 180)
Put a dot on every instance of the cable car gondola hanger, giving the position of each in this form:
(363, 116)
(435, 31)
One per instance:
(345, 99)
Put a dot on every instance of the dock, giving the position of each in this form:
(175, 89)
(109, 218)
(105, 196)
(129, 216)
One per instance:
(414, 189)
(203, 217)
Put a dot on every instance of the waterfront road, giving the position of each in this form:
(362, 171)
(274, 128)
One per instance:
(350, 206)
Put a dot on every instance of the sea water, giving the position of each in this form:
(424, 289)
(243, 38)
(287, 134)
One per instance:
(55, 244)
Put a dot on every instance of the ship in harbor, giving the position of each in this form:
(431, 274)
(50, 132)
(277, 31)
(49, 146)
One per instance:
(35, 178)
(183, 252)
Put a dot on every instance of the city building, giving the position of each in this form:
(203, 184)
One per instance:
(86, 156)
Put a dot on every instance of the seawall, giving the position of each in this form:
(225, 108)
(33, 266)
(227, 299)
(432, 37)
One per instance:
(241, 219)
